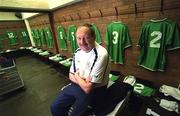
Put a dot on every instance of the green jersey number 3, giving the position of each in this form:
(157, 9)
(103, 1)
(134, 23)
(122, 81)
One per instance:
(115, 37)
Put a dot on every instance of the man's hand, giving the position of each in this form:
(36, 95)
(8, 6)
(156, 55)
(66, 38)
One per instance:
(88, 79)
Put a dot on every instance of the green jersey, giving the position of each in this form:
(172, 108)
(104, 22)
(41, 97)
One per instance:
(113, 77)
(49, 37)
(143, 90)
(62, 38)
(37, 36)
(72, 37)
(25, 37)
(117, 39)
(155, 38)
(42, 37)
(12, 37)
(34, 37)
(97, 33)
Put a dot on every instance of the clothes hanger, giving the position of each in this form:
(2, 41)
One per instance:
(161, 16)
(158, 19)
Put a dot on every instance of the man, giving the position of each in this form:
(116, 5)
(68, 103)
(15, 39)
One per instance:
(89, 75)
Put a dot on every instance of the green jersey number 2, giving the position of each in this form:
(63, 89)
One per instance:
(154, 42)
(138, 87)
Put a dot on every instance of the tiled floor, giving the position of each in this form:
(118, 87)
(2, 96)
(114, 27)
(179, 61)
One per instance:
(42, 84)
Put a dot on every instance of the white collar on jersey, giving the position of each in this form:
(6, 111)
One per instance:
(158, 20)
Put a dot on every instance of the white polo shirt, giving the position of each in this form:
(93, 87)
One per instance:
(95, 64)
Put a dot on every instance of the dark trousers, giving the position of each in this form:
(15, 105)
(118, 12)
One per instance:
(74, 96)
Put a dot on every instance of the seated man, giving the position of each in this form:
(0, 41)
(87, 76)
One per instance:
(88, 73)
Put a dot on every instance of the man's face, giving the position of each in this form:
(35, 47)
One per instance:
(84, 40)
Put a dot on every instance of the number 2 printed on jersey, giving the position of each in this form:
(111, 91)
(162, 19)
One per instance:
(154, 43)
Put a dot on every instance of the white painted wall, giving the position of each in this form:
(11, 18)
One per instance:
(36, 4)
(27, 15)
(8, 16)
(61, 3)
(40, 4)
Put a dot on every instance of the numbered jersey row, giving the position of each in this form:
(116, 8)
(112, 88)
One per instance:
(155, 38)
(14, 37)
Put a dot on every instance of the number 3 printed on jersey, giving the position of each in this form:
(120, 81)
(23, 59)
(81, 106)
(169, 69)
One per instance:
(115, 37)
(154, 42)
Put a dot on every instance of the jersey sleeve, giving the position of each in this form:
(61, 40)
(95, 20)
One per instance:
(174, 42)
(127, 38)
(97, 33)
(106, 37)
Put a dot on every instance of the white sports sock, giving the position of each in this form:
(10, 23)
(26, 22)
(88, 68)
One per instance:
(168, 90)
(169, 105)
(129, 79)
(150, 112)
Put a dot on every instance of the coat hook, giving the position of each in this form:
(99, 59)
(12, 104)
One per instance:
(116, 10)
(79, 16)
(100, 12)
(89, 14)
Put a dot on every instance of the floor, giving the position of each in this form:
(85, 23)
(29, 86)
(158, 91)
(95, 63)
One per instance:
(42, 84)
